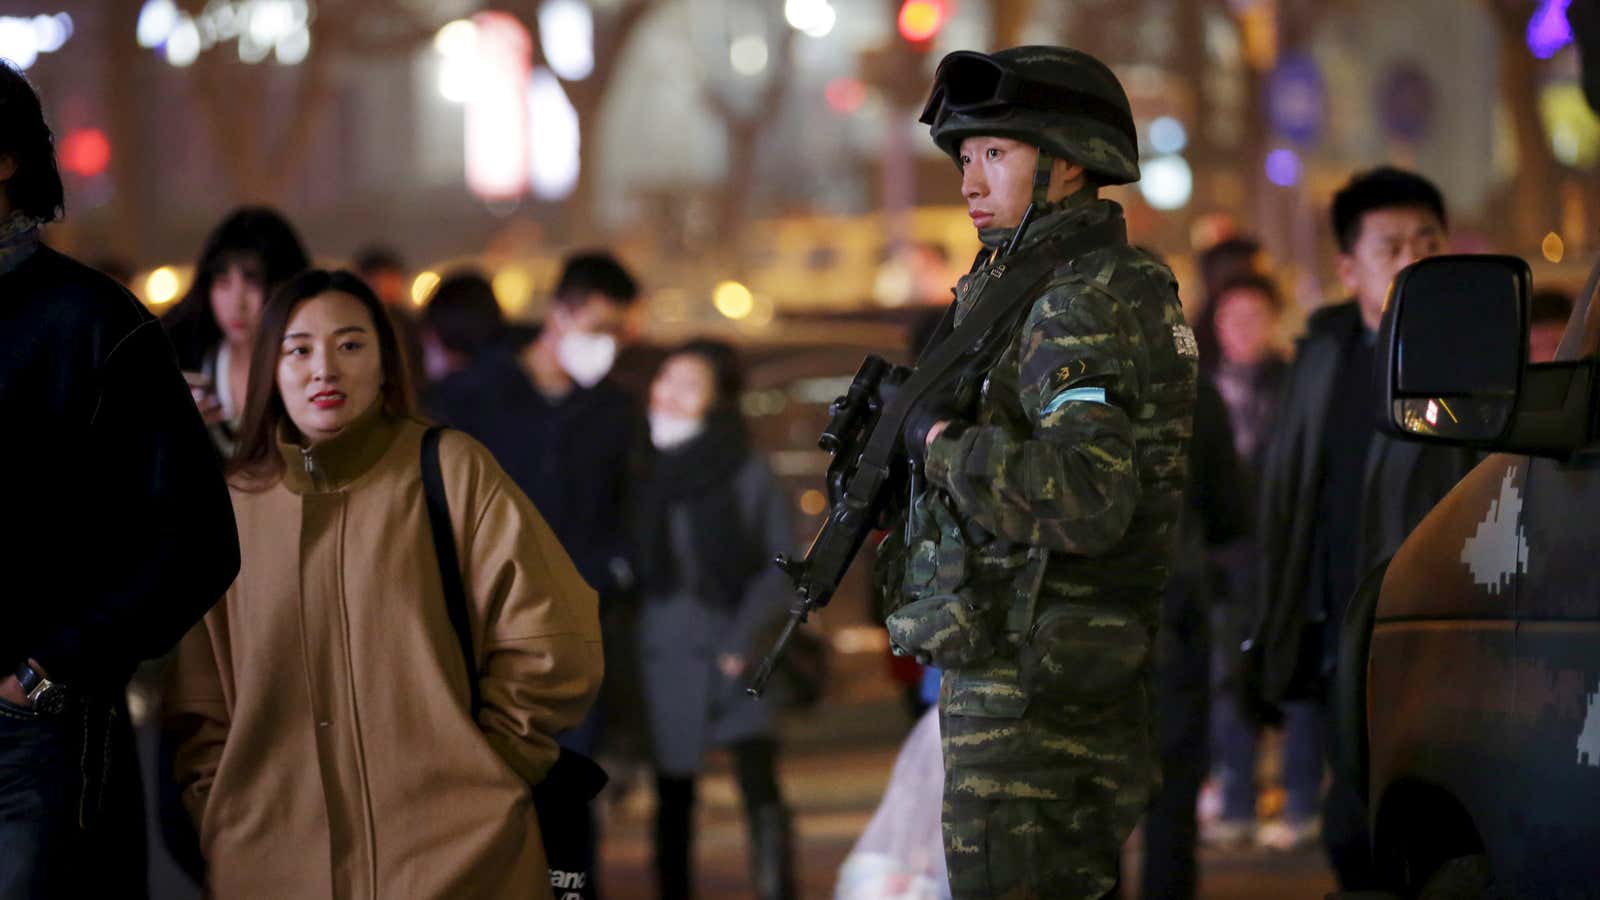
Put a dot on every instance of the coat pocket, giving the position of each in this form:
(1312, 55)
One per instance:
(1083, 656)
(949, 631)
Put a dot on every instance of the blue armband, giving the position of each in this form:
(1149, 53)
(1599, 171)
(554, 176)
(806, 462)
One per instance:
(1070, 395)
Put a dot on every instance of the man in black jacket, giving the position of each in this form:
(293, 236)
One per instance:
(1337, 497)
(121, 535)
(565, 434)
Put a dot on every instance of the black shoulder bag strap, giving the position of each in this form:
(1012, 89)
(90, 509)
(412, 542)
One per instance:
(562, 798)
(444, 547)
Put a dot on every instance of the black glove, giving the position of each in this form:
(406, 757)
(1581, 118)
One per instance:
(923, 417)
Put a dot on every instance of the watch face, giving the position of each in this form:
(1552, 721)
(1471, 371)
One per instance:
(50, 700)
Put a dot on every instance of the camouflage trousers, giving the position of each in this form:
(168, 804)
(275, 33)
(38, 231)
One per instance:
(1039, 805)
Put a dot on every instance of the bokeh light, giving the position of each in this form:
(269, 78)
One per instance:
(845, 95)
(422, 287)
(554, 138)
(1283, 167)
(813, 502)
(512, 289)
(1166, 183)
(815, 18)
(85, 152)
(183, 44)
(1167, 135)
(157, 19)
(566, 34)
(920, 20)
(748, 54)
(733, 300)
(1548, 30)
(1553, 247)
(161, 286)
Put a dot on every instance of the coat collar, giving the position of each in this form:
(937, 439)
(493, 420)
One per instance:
(19, 238)
(333, 464)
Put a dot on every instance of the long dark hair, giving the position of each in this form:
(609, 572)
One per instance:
(256, 457)
(254, 236)
(35, 188)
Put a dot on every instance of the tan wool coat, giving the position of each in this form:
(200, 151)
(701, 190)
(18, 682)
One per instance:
(325, 748)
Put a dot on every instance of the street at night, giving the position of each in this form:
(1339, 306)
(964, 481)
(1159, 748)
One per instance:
(841, 449)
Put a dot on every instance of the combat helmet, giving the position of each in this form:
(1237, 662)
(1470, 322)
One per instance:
(1063, 101)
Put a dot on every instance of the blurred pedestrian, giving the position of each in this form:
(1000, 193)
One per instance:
(1238, 334)
(1547, 322)
(321, 712)
(1338, 497)
(385, 272)
(1214, 514)
(213, 327)
(1225, 261)
(461, 321)
(566, 436)
(709, 517)
(123, 536)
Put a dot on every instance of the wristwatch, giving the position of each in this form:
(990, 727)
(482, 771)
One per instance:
(46, 696)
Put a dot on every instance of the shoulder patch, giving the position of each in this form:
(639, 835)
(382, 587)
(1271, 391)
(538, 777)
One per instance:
(1183, 339)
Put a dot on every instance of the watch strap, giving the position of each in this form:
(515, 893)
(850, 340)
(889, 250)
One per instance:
(28, 677)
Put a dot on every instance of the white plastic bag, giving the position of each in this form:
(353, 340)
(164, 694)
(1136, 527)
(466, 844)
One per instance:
(901, 854)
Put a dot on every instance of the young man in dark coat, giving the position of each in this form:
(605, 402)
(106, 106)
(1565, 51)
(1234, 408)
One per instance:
(555, 421)
(122, 535)
(1338, 497)
(565, 434)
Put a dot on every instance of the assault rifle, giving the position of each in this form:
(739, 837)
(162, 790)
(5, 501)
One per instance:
(870, 470)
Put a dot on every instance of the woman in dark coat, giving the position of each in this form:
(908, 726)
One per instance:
(709, 517)
(213, 327)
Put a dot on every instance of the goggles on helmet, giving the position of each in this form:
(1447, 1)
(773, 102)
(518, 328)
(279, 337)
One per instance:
(971, 84)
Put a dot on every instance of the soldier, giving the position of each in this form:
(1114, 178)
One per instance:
(1042, 509)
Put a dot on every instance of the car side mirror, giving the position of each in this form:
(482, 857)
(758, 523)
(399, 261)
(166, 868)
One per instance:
(1456, 370)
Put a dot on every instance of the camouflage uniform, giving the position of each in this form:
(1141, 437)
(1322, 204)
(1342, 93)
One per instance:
(1032, 563)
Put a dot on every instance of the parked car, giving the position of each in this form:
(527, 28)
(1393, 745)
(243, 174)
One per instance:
(1470, 699)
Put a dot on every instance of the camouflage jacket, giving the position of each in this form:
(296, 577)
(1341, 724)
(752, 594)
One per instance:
(1042, 534)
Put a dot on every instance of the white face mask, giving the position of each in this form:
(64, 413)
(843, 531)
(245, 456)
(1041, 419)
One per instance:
(668, 431)
(585, 357)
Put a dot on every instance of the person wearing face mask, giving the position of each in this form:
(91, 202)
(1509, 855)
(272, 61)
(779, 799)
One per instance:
(566, 436)
(708, 519)
(1337, 498)
(548, 412)
(563, 431)
(213, 327)
(326, 744)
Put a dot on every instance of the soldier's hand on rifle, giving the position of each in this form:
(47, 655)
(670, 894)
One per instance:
(930, 417)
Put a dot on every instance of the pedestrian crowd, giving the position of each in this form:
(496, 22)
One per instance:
(377, 553)
(374, 556)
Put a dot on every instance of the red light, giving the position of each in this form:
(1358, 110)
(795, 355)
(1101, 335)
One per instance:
(920, 20)
(85, 152)
(845, 95)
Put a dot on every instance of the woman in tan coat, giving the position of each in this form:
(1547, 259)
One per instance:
(325, 748)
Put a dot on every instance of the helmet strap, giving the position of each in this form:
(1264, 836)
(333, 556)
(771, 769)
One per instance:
(1041, 181)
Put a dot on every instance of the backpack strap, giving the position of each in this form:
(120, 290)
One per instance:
(444, 548)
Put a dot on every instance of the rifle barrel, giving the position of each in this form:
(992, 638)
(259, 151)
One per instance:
(758, 685)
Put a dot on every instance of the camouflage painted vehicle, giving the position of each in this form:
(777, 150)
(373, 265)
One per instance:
(1471, 704)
